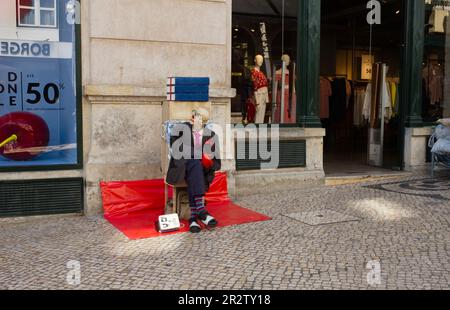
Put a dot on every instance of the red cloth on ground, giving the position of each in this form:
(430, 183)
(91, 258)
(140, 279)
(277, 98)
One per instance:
(134, 207)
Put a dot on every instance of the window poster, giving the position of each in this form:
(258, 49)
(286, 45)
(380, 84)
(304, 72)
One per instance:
(38, 98)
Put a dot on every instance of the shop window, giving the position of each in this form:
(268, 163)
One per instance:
(436, 71)
(39, 94)
(37, 13)
(265, 48)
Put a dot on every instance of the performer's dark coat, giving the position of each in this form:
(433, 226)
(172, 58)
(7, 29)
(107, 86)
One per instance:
(176, 173)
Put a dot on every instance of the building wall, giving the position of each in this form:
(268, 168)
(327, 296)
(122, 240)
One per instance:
(416, 141)
(129, 48)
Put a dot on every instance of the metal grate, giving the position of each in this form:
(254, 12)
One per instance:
(41, 197)
(322, 217)
(292, 155)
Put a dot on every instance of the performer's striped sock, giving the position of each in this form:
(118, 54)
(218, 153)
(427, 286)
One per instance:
(194, 214)
(199, 205)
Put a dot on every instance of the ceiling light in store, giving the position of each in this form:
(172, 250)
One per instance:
(398, 12)
(252, 30)
(236, 29)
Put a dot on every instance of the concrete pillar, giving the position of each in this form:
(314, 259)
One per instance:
(416, 140)
(308, 55)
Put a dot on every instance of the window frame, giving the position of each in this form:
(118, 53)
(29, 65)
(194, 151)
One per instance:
(37, 14)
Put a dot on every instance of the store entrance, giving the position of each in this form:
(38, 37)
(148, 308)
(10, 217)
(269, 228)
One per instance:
(349, 46)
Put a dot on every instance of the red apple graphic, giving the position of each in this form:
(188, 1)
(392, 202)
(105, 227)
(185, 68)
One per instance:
(28, 135)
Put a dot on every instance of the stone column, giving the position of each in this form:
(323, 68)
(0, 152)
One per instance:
(415, 136)
(447, 72)
(411, 81)
(125, 66)
(308, 58)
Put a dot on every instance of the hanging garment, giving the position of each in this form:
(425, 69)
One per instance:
(251, 110)
(261, 94)
(393, 88)
(434, 82)
(259, 79)
(358, 115)
(338, 100)
(437, 19)
(378, 97)
(325, 94)
(289, 106)
(367, 102)
(386, 100)
(348, 92)
(262, 99)
(397, 102)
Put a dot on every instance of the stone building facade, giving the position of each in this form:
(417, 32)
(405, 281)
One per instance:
(127, 50)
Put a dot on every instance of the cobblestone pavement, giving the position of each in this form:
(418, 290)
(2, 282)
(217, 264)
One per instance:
(403, 225)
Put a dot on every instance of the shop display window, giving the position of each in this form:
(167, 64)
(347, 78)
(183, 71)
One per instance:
(436, 71)
(38, 89)
(265, 49)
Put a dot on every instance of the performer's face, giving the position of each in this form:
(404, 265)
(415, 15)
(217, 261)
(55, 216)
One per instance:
(197, 121)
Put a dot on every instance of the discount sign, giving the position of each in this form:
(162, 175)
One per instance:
(38, 91)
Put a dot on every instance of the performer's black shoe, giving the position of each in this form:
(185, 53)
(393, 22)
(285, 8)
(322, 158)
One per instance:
(208, 220)
(194, 227)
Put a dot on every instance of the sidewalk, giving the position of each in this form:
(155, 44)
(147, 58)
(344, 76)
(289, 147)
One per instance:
(401, 226)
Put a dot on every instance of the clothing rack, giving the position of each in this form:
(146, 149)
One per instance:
(444, 5)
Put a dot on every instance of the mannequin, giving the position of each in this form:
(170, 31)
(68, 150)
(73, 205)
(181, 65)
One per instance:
(433, 76)
(260, 88)
(289, 106)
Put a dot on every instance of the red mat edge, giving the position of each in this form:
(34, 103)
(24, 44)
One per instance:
(140, 223)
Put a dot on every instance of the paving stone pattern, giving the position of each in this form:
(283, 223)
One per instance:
(400, 225)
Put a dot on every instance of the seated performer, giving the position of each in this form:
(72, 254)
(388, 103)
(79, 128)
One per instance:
(195, 159)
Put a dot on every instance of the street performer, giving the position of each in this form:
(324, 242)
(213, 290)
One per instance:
(195, 158)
